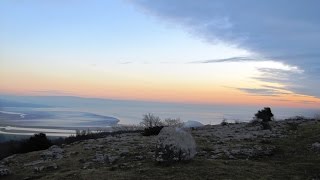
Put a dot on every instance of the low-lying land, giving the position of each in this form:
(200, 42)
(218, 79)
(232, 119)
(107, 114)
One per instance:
(231, 151)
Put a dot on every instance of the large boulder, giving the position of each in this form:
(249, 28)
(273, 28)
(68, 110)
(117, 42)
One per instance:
(174, 144)
(192, 124)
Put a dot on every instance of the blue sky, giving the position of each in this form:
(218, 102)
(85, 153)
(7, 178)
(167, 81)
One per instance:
(208, 51)
(281, 30)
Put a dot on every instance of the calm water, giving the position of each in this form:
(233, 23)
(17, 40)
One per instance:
(98, 115)
(65, 115)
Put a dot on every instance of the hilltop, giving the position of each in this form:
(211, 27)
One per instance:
(230, 151)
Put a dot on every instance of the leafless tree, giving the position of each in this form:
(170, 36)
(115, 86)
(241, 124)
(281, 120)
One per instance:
(173, 122)
(150, 120)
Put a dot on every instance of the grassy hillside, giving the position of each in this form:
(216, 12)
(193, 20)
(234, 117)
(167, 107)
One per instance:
(233, 151)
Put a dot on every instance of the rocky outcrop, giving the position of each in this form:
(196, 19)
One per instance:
(115, 155)
(48, 167)
(174, 144)
(54, 152)
(4, 171)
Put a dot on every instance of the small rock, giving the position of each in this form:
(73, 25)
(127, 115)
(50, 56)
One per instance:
(316, 146)
(216, 156)
(88, 147)
(74, 153)
(33, 163)
(139, 157)
(52, 166)
(87, 165)
(4, 172)
(100, 158)
(124, 152)
(56, 149)
(113, 159)
(99, 146)
(8, 160)
(38, 169)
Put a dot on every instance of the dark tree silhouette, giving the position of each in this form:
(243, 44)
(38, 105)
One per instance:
(35, 143)
(265, 114)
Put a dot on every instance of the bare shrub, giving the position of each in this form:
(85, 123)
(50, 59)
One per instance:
(224, 122)
(176, 122)
(149, 120)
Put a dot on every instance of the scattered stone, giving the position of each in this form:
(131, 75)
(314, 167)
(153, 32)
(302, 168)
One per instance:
(54, 152)
(38, 169)
(8, 160)
(52, 166)
(56, 149)
(174, 144)
(87, 147)
(92, 146)
(4, 172)
(87, 165)
(316, 146)
(100, 158)
(98, 146)
(73, 153)
(139, 157)
(113, 159)
(216, 156)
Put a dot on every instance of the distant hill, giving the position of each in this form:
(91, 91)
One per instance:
(9, 103)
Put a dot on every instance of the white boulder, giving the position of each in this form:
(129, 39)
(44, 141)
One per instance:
(192, 124)
(174, 144)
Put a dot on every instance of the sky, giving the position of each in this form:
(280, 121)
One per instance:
(205, 52)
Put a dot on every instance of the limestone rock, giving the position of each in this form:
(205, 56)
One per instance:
(4, 172)
(100, 157)
(174, 144)
(54, 152)
(316, 146)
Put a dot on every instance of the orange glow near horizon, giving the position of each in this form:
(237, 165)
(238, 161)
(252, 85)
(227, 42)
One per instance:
(191, 84)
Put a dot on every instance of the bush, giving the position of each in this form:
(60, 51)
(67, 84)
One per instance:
(224, 122)
(35, 143)
(237, 122)
(152, 131)
(264, 114)
(265, 125)
(9, 148)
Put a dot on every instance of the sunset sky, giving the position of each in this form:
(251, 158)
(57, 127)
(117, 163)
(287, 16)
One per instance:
(206, 51)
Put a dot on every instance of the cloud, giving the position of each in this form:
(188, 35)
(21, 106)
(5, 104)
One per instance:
(263, 91)
(53, 92)
(280, 30)
(233, 59)
(264, 26)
